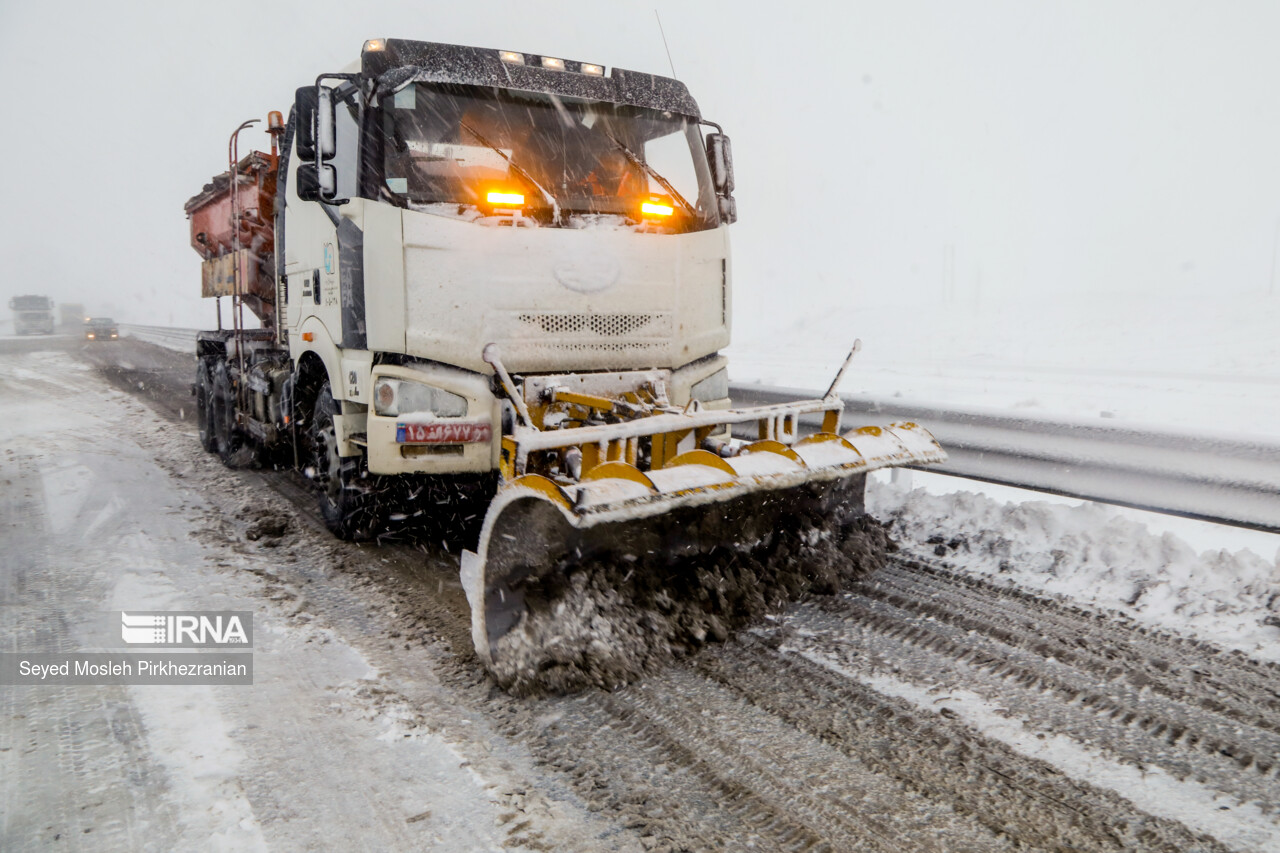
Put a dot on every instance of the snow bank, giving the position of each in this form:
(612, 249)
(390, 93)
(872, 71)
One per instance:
(1092, 553)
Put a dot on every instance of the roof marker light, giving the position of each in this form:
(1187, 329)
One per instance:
(510, 56)
(375, 45)
(593, 70)
(553, 63)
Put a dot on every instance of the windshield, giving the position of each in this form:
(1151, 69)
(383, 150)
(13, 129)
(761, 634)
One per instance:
(446, 144)
(31, 303)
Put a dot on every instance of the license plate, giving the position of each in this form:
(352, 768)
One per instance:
(444, 433)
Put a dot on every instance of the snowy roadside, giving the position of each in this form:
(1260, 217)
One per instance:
(104, 506)
(1181, 362)
(1138, 564)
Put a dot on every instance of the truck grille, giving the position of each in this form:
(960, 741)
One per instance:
(599, 325)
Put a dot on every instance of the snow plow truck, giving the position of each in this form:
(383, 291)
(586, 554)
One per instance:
(502, 279)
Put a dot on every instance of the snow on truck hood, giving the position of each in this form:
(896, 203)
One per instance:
(600, 298)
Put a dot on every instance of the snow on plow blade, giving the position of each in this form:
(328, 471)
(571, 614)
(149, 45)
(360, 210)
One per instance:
(538, 535)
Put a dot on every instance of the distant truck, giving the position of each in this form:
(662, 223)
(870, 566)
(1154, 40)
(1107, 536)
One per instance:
(71, 315)
(32, 315)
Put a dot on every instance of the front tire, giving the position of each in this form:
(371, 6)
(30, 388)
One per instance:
(347, 502)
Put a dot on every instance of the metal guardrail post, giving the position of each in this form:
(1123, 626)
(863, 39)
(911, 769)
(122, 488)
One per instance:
(181, 340)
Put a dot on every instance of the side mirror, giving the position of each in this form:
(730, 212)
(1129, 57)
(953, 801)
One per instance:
(317, 119)
(728, 210)
(720, 158)
(316, 182)
(308, 182)
(304, 113)
(326, 136)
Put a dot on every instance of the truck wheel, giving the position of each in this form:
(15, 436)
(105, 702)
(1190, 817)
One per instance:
(204, 406)
(347, 503)
(222, 414)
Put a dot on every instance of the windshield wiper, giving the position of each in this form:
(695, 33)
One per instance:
(555, 205)
(637, 161)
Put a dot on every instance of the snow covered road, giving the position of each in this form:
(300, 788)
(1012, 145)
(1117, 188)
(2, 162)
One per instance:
(929, 708)
(91, 521)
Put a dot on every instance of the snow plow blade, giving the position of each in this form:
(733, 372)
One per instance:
(556, 564)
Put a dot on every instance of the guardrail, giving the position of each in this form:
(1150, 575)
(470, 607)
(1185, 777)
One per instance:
(181, 340)
(1226, 479)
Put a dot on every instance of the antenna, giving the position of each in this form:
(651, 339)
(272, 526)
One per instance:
(664, 42)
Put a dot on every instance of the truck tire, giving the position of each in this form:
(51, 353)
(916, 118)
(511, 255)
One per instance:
(204, 406)
(347, 503)
(227, 441)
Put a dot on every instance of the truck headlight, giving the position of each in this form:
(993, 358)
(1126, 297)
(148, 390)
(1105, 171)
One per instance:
(714, 387)
(393, 397)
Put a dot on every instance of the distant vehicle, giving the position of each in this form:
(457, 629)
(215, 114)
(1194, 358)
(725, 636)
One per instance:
(101, 329)
(70, 315)
(32, 315)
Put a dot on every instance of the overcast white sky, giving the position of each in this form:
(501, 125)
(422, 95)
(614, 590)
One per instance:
(1084, 147)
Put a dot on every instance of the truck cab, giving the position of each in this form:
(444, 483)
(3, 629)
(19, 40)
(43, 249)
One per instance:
(438, 199)
(32, 315)
(436, 215)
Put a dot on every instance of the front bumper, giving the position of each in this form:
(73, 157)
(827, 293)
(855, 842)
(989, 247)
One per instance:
(408, 445)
